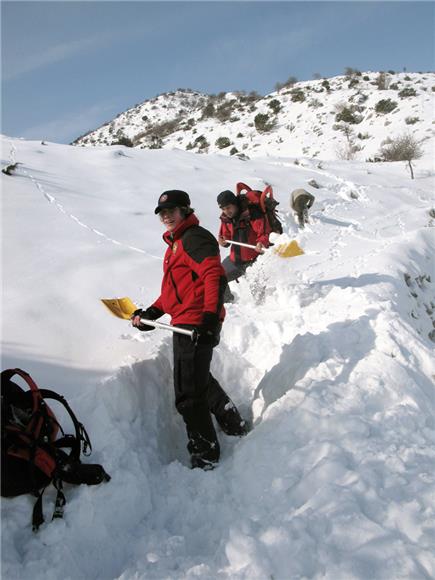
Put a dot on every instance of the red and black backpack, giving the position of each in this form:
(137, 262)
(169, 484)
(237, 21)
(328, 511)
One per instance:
(263, 201)
(35, 451)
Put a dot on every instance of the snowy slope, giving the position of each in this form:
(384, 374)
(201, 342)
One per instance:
(307, 127)
(334, 367)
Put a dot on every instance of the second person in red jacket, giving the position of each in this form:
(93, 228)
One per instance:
(241, 223)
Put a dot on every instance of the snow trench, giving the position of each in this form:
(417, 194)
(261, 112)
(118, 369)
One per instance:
(338, 462)
(330, 356)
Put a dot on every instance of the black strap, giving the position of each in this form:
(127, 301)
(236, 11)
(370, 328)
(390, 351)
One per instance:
(38, 516)
(81, 433)
(60, 499)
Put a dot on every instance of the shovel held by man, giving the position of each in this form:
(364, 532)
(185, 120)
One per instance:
(124, 308)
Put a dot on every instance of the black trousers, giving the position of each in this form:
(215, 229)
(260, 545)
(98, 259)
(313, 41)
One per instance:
(232, 270)
(197, 392)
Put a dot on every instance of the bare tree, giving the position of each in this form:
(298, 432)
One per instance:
(402, 148)
(348, 149)
(350, 73)
(383, 81)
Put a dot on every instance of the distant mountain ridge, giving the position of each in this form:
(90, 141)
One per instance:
(344, 117)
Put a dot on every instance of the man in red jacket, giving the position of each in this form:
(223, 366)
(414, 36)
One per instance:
(241, 223)
(192, 292)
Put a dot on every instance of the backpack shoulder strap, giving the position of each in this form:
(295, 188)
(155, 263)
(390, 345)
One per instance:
(242, 187)
(7, 375)
(81, 435)
(268, 192)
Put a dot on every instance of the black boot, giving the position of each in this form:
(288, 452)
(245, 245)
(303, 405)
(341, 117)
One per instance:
(231, 422)
(203, 453)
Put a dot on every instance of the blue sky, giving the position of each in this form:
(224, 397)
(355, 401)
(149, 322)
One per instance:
(67, 67)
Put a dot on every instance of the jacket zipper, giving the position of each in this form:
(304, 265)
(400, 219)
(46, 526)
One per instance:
(175, 288)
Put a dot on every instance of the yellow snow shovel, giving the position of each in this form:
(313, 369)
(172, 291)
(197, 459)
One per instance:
(120, 307)
(288, 250)
(124, 308)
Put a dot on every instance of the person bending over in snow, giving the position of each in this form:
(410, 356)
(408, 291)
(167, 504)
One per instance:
(241, 223)
(300, 202)
(192, 293)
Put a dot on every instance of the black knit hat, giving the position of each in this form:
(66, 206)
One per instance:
(226, 197)
(172, 198)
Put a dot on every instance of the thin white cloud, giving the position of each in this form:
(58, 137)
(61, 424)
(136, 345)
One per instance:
(21, 65)
(67, 129)
(282, 46)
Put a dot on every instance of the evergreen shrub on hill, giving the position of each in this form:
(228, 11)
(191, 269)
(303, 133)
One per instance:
(166, 127)
(222, 142)
(275, 105)
(348, 115)
(208, 111)
(263, 123)
(315, 104)
(224, 111)
(297, 95)
(201, 142)
(385, 106)
(155, 142)
(408, 92)
(123, 140)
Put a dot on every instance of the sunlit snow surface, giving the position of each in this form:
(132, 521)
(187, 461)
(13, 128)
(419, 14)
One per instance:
(331, 359)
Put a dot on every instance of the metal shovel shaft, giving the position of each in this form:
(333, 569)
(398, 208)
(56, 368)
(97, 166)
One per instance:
(241, 244)
(162, 325)
(285, 250)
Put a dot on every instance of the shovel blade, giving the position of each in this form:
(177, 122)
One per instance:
(289, 250)
(120, 307)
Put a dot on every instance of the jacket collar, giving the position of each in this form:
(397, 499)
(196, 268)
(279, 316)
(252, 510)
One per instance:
(190, 221)
(243, 215)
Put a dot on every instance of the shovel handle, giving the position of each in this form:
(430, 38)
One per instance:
(192, 333)
(241, 244)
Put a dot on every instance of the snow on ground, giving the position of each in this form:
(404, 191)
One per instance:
(306, 126)
(329, 354)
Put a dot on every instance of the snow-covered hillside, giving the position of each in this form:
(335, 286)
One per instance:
(337, 118)
(335, 368)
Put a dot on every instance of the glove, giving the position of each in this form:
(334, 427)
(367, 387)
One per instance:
(152, 313)
(209, 329)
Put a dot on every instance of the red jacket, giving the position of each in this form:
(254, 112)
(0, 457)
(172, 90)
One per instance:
(250, 227)
(194, 281)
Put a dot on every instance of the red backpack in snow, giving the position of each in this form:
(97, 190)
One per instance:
(263, 200)
(32, 453)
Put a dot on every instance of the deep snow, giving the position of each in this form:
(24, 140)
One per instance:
(334, 366)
